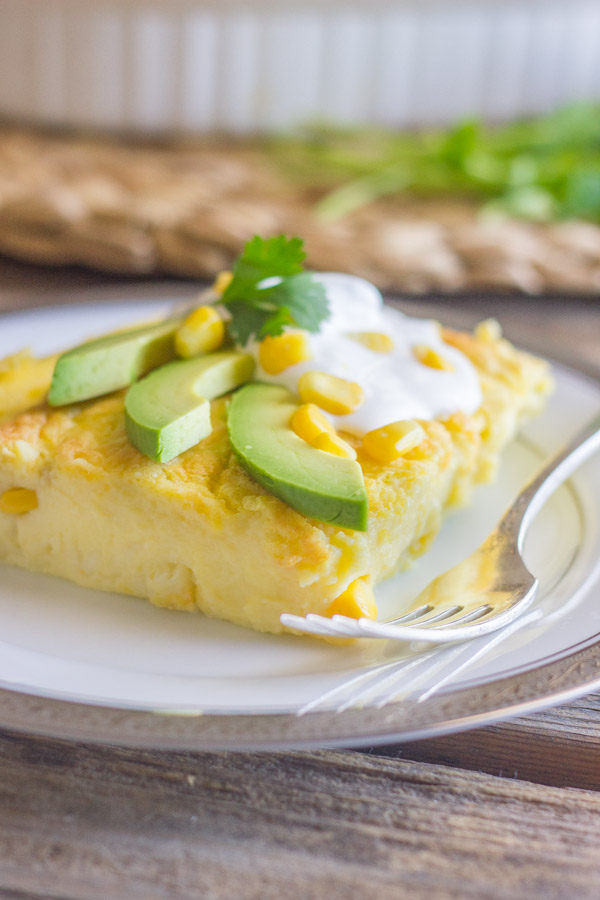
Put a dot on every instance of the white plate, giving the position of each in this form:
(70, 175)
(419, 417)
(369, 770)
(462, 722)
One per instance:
(131, 671)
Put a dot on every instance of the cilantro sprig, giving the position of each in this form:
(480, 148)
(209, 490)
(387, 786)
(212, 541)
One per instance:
(270, 290)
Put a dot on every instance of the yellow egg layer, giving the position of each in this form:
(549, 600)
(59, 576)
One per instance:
(198, 532)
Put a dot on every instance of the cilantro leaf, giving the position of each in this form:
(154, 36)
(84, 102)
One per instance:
(306, 300)
(264, 258)
(276, 323)
(269, 290)
(274, 256)
(246, 321)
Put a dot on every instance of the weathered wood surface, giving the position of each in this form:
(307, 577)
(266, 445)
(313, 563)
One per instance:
(508, 811)
(87, 822)
(559, 747)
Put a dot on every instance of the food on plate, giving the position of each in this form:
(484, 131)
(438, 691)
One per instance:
(322, 485)
(111, 362)
(23, 381)
(168, 411)
(291, 459)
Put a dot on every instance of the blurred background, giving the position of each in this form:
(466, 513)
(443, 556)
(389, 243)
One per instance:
(430, 145)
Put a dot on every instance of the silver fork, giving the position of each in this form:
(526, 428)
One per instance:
(485, 592)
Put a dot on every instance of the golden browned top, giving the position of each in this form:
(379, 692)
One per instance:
(90, 438)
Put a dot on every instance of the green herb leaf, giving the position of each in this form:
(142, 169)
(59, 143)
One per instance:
(305, 299)
(269, 290)
(246, 321)
(539, 169)
(582, 193)
(261, 259)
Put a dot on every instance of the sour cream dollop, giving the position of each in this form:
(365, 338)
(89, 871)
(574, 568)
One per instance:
(396, 385)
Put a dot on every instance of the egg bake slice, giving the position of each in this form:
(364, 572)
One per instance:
(77, 500)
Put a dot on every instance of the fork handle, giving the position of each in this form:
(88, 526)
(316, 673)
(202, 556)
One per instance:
(533, 496)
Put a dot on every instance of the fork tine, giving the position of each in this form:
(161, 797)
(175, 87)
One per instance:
(439, 617)
(311, 624)
(472, 616)
(408, 617)
(427, 635)
(346, 626)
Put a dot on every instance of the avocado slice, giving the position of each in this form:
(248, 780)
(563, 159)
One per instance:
(111, 362)
(317, 484)
(169, 410)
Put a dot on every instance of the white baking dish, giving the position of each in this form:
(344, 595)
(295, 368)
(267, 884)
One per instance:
(200, 66)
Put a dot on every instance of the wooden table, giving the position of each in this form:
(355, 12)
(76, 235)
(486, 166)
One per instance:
(509, 811)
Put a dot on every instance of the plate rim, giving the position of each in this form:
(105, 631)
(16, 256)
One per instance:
(550, 684)
(461, 710)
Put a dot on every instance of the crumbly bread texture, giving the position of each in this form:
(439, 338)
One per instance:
(198, 532)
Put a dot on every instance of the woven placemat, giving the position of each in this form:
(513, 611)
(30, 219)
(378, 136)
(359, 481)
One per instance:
(186, 209)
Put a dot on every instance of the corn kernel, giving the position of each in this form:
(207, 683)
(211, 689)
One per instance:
(222, 282)
(335, 395)
(357, 601)
(201, 332)
(332, 443)
(430, 357)
(389, 443)
(308, 422)
(279, 353)
(18, 501)
(489, 330)
(377, 341)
